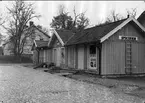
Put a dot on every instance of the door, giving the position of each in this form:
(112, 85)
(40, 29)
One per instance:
(58, 58)
(80, 57)
(55, 56)
(92, 57)
(62, 56)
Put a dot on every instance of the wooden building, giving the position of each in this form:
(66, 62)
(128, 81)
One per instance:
(57, 46)
(37, 34)
(116, 48)
(40, 52)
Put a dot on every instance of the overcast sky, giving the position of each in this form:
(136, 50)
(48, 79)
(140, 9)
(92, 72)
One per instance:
(96, 11)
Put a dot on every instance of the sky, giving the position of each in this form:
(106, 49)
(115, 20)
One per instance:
(96, 11)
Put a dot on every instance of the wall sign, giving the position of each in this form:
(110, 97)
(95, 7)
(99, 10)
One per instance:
(134, 38)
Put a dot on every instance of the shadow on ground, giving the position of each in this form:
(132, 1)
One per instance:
(129, 85)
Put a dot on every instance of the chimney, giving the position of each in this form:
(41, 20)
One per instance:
(31, 23)
(128, 16)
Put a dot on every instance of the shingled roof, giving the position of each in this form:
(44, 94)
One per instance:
(40, 43)
(141, 17)
(93, 34)
(65, 35)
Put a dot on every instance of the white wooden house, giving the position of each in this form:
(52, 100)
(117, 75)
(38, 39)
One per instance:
(38, 34)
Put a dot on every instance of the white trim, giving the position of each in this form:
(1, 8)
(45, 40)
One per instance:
(35, 43)
(50, 40)
(60, 40)
(120, 26)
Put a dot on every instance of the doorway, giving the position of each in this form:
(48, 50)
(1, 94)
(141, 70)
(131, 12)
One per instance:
(92, 57)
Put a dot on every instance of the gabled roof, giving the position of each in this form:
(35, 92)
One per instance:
(121, 26)
(42, 31)
(102, 32)
(93, 34)
(65, 35)
(62, 35)
(33, 27)
(141, 17)
(40, 43)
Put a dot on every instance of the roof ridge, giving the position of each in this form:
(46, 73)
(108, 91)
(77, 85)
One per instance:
(41, 31)
(106, 24)
(69, 38)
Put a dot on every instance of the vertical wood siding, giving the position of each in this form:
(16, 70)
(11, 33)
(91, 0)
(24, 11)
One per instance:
(44, 55)
(81, 57)
(71, 56)
(76, 56)
(138, 58)
(41, 56)
(58, 56)
(66, 57)
(35, 57)
(113, 58)
(48, 56)
(85, 56)
(113, 52)
(54, 55)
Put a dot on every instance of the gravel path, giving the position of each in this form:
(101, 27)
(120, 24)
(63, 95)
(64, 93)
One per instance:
(25, 85)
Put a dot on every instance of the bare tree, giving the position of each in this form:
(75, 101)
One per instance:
(132, 12)
(75, 16)
(113, 16)
(80, 21)
(2, 20)
(20, 14)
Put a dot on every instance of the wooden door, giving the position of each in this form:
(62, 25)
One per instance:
(58, 58)
(81, 57)
(92, 57)
(55, 56)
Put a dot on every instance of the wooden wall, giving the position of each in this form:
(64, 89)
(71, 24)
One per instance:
(77, 56)
(41, 56)
(71, 56)
(48, 56)
(113, 58)
(138, 58)
(80, 56)
(113, 52)
(35, 57)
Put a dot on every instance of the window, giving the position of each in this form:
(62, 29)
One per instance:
(92, 49)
